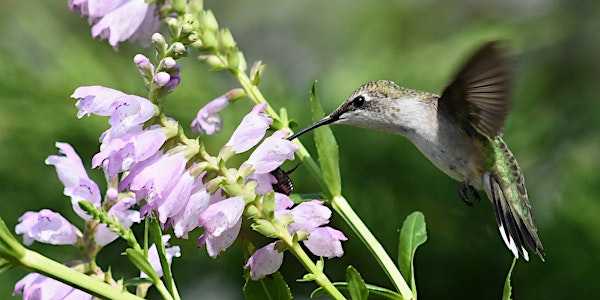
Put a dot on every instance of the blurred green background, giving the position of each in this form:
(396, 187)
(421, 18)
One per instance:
(46, 52)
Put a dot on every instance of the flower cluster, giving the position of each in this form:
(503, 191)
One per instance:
(119, 20)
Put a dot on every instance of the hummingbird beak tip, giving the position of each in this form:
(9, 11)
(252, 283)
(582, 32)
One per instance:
(326, 120)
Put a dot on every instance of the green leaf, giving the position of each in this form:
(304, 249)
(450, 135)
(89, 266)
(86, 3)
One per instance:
(141, 263)
(327, 147)
(156, 232)
(412, 235)
(356, 285)
(271, 287)
(137, 281)
(507, 288)
(374, 291)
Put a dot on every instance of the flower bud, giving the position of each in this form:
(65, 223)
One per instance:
(168, 63)
(265, 228)
(208, 21)
(159, 43)
(225, 40)
(213, 61)
(162, 78)
(178, 49)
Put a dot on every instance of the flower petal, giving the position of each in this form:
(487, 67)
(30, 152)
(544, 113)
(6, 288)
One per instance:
(265, 261)
(272, 152)
(251, 130)
(326, 242)
(47, 227)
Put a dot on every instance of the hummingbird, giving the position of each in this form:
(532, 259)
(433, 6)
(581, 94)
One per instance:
(460, 132)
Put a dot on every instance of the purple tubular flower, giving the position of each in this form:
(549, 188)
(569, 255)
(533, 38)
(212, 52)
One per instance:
(153, 178)
(189, 217)
(121, 20)
(265, 261)
(309, 215)
(207, 120)
(154, 259)
(72, 174)
(326, 242)
(47, 227)
(36, 286)
(120, 154)
(96, 100)
(271, 153)
(251, 130)
(222, 222)
(177, 198)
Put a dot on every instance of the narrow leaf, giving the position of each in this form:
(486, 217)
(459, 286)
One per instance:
(356, 285)
(507, 288)
(374, 291)
(271, 287)
(412, 234)
(327, 147)
(141, 263)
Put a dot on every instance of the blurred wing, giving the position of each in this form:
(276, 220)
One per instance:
(479, 93)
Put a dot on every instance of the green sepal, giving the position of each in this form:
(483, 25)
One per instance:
(307, 278)
(265, 228)
(356, 285)
(271, 287)
(327, 147)
(268, 204)
(412, 235)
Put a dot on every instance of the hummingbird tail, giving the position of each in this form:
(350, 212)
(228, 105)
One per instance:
(506, 189)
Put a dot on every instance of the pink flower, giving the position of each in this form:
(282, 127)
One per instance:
(222, 222)
(74, 177)
(119, 20)
(36, 286)
(207, 120)
(271, 153)
(47, 227)
(265, 261)
(251, 130)
(153, 178)
(307, 217)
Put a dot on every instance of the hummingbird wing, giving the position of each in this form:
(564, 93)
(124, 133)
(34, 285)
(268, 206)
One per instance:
(505, 186)
(479, 93)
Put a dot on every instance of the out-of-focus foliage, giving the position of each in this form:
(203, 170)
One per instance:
(553, 129)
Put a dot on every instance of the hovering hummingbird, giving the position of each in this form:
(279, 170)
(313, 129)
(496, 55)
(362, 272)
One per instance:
(459, 132)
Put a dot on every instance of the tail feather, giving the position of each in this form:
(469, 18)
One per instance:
(506, 189)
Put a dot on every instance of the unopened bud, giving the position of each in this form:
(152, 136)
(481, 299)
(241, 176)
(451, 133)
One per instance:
(162, 78)
(208, 21)
(235, 94)
(225, 40)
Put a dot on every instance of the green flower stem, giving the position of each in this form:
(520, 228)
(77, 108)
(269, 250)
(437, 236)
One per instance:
(319, 277)
(53, 269)
(343, 208)
(339, 203)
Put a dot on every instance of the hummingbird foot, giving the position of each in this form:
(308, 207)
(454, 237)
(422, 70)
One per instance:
(462, 192)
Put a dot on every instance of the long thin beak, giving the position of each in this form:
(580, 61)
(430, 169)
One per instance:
(324, 121)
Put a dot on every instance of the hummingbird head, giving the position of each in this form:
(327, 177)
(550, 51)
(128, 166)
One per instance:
(380, 105)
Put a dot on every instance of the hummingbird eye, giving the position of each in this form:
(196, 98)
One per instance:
(359, 101)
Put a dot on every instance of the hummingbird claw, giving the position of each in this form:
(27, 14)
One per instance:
(462, 192)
